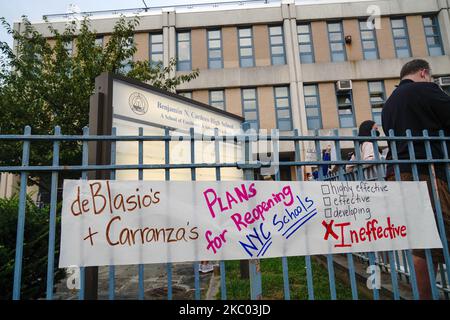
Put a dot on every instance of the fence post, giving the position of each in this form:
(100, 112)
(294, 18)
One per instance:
(100, 123)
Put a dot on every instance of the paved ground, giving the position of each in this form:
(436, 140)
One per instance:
(155, 283)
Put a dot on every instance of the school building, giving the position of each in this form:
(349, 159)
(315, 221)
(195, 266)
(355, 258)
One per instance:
(288, 65)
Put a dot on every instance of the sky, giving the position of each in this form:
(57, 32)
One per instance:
(12, 10)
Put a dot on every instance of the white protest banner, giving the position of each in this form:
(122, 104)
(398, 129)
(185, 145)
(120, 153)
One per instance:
(131, 222)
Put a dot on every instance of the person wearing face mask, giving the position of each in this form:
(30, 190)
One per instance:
(366, 148)
(419, 104)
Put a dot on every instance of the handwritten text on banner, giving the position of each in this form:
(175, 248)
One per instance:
(132, 222)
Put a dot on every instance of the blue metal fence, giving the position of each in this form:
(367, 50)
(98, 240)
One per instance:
(397, 265)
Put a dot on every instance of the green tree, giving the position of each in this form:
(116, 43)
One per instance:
(43, 84)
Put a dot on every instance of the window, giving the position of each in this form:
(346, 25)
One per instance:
(377, 99)
(217, 99)
(156, 48)
(276, 41)
(186, 94)
(336, 39)
(345, 109)
(250, 107)
(312, 105)
(99, 42)
(245, 47)
(305, 43)
(184, 51)
(368, 40)
(283, 108)
(433, 36)
(401, 38)
(215, 49)
(69, 47)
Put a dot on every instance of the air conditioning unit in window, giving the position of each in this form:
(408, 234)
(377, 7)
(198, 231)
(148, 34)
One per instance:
(344, 85)
(443, 81)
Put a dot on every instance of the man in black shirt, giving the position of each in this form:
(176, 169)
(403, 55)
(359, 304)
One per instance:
(419, 104)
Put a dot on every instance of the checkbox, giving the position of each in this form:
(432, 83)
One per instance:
(328, 213)
(327, 201)
(325, 189)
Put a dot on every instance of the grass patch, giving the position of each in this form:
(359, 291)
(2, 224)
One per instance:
(272, 281)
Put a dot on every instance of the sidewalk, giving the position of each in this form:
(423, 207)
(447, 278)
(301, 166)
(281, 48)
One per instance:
(155, 283)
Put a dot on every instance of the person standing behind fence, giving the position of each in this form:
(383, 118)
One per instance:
(326, 156)
(419, 104)
(367, 152)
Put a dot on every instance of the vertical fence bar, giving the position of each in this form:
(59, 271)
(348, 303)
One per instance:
(445, 154)
(284, 262)
(330, 265)
(443, 281)
(437, 202)
(309, 276)
(287, 293)
(405, 266)
(429, 259)
(52, 222)
(380, 176)
(223, 284)
(394, 279)
(376, 294)
(351, 266)
(141, 177)
(112, 268)
(397, 260)
(394, 154)
(382, 260)
(85, 163)
(254, 264)
(167, 178)
(21, 217)
(193, 178)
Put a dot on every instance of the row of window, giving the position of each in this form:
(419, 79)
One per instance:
(344, 101)
(336, 40)
(249, 100)
(369, 41)
(215, 48)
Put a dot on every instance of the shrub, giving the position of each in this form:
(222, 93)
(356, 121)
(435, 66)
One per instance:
(35, 249)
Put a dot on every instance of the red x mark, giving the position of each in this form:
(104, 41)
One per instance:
(329, 227)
